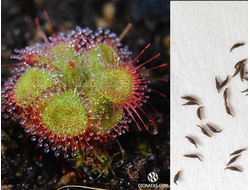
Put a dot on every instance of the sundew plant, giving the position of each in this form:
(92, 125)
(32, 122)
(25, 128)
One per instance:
(76, 90)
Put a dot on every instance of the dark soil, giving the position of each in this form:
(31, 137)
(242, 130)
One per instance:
(26, 167)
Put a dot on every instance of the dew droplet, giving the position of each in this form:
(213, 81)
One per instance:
(56, 153)
(40, 139)
(32, 116)
(39, 144)
(46, 150)
(22, 121)
(90, 147)
(53, 148)
(26, 130)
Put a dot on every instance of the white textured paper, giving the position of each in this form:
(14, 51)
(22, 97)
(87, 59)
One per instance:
(202, 34)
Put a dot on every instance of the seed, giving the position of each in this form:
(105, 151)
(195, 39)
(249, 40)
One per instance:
(204, 131)
(242, 72)
(237, 45)
(229, 111)
(238, 151)
(199, 112)
(225, 95)
(217, 84)
(233, 159)
(236, 71)
(190, 103)
(233, 168)
(176, 177)
(238, 64)
(245, 78)
(213, 129)
(192, 141)
(189, 98)
(192, 156)
(245, 91)
(224, 83)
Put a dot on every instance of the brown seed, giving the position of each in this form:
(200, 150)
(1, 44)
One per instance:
(238, 151)
(245, 78)
(236, 71)
(190, 103)
(242, 72)
(225, 95)
(224, 83)
(229, 111)
(204, 131)
(176, 177)
(217, 84)
(213, 129)
(238, 64)
(189, 98)
(199, 112)
(244, 91)
(233, 160)
(192, 141)
(233, 168)
(237, 45)
(192, 156)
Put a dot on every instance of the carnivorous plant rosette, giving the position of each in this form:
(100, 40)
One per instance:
(75, 90)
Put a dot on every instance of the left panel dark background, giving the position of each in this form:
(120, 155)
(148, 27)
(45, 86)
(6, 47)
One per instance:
(21, 166)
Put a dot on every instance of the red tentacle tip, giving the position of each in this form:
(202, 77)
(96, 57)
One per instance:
(149, 44)
(46, 15)
(163, 65)
(37, 22)
(165, 80)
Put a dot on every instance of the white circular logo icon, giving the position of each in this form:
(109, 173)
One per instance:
(152, 177)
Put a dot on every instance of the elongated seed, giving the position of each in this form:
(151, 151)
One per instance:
(242, 72)
(213, 129)
(229, 111)
(238, 64)
(192, 141)
(238, 151)
(190, 103)
(199, 112)
(245, 91)
(204, 131)
(192, 156)
(233, 168)
(237, 45)
(225, 95)
(176, 177)
(189, 98)
(233, 160)
(224, 83)
(236, 71)
(217, 84)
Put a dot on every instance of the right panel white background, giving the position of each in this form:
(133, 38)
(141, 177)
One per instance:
(202, 34)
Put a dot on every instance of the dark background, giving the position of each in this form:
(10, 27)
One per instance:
(21, 166)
